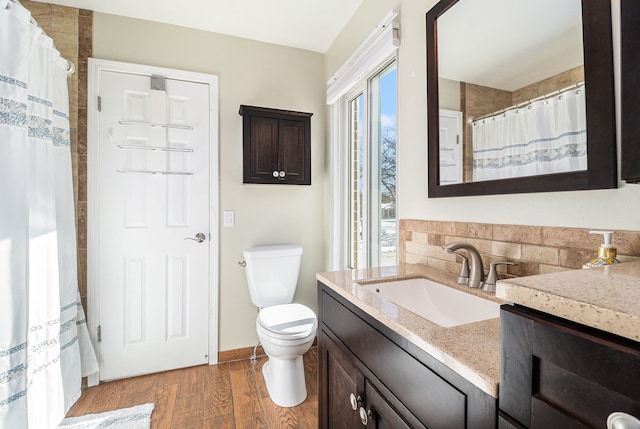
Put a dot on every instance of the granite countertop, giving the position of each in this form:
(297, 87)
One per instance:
(605, 298)
(471, 350)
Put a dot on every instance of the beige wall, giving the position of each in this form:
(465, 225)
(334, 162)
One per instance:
(250, 73)
(615, 209)
(449, 93)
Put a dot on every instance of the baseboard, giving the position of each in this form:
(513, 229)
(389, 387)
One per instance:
(239, 354)
(245, 353)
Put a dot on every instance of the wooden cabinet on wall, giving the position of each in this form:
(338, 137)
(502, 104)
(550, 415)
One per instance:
(559, 374)
(276, 146)
(370, 376)
(630, 35)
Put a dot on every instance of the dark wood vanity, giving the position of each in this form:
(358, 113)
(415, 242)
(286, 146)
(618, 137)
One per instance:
(372, 377)
(560, 374)
(567, 354)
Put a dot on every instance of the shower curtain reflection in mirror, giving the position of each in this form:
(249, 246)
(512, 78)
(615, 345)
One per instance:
(43, 333)
(545, 136)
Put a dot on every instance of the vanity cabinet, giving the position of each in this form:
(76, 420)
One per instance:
(276, 146)
(558, 374)
(391, 383)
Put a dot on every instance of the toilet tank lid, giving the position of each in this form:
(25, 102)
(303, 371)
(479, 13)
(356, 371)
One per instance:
(273, 251)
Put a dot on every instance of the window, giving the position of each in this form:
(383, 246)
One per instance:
(371, 171)
(362, 93)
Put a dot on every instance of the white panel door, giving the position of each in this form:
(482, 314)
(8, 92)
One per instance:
(450, 147)
(153, 202)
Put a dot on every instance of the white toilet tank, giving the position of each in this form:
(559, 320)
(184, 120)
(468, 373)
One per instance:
(272, 273)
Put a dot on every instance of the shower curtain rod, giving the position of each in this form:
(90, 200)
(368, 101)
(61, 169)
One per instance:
(528, 102)
(71, 68)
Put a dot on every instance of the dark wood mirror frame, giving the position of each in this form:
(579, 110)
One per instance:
(629, 12)
(602, 171)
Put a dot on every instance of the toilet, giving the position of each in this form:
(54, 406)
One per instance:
(286, 330)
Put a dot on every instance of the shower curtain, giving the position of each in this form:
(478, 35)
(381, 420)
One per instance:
(44, 343)
(547, 136)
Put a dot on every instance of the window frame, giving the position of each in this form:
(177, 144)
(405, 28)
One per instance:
(341, 170)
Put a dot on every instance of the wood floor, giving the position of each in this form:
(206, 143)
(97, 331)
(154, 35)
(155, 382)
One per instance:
(225, 396)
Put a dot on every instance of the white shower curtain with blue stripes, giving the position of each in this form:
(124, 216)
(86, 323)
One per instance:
(42, 324)
(546, 136)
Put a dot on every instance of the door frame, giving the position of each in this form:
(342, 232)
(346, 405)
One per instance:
(93, 209)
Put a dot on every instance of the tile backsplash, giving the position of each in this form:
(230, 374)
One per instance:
(536, 249)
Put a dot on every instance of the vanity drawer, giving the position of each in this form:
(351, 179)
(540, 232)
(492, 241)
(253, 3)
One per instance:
(435, 402)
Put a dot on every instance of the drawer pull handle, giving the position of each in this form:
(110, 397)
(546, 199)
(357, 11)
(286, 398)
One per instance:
(365, 415)
(620, 420)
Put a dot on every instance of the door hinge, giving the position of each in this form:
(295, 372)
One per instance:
(99, 333)
(158, 83)
(99, 104)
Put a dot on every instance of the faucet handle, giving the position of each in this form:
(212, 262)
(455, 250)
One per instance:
(492, 276)
(463, 277)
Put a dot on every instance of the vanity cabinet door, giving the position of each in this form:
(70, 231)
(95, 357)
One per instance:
(381, 414)
(506, 423)
(556, 373)
(341, 379)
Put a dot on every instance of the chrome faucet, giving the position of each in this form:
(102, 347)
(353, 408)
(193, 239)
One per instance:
(476, 274)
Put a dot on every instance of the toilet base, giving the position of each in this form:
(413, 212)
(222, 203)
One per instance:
(285, 381)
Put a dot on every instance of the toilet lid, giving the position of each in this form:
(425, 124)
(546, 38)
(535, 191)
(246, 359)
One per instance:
(287, 319)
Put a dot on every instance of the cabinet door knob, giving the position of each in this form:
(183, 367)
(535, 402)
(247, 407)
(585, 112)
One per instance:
(282, 174)
(354, 402)
(275, 173)
(365, 415)
(619, 420)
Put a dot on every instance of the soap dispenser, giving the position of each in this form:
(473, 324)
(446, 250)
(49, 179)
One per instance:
(606, 252)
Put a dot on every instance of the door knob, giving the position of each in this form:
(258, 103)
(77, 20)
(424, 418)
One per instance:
(199, 237)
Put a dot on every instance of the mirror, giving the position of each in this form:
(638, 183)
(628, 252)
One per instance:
(520, 97)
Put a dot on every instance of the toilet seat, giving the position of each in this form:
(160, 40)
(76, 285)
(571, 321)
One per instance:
(288, 321)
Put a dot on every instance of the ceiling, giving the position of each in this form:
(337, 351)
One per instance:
(304, 24)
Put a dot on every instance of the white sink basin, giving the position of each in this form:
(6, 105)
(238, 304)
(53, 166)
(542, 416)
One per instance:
(440, 304)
